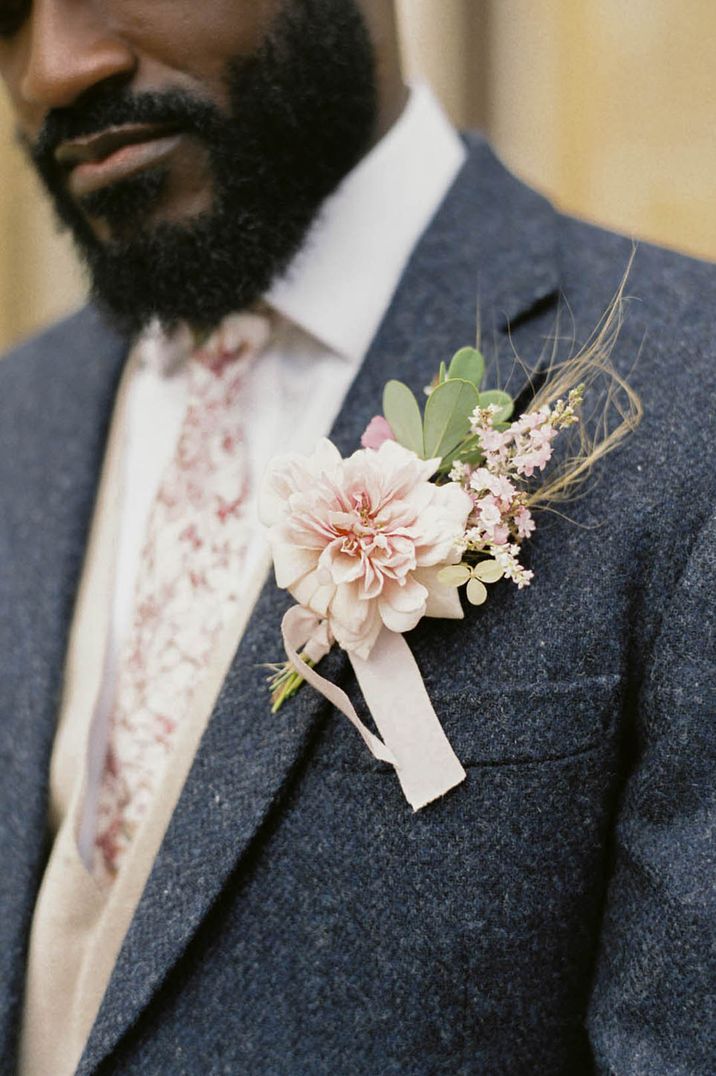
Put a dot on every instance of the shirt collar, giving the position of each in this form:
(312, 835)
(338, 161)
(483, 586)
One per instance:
(339, 286)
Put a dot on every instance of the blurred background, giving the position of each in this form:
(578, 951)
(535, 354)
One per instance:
(608, 106)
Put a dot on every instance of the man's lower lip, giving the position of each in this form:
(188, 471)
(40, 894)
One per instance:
(91, 176)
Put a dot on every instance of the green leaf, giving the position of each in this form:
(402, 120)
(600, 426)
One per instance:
(468, 365)
(503, 400)
(468, 451)
(447, 417)
(402, 412)
(442, 375)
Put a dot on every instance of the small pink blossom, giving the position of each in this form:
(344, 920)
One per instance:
(507, 557)
(543, 435)
(492, 440)
(377, 432)
(490, 514)
(360, 541)
(534, 459)
(529, 421)
(534, 435)
(490, 520)
(524, 522)
(499, 486)
(495, 444)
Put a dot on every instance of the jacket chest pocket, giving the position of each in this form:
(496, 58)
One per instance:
(502, 723)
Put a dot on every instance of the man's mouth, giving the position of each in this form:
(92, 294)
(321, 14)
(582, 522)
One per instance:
(98, 160)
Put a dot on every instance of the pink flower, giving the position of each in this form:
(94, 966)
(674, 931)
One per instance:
(534, 443)
(490, 514)
(377, 432)
(493, 441)
(498, 485)
(525, 523)
(361, 541)
(529, 421)
(543, 435)
(490, 520)
(536, 459)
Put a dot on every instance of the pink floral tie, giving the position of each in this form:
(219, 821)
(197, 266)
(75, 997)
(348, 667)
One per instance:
(186, 589)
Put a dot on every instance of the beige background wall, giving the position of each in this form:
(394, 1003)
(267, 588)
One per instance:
(607, 105)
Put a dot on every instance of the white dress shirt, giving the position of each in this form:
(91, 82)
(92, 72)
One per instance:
(330, 304)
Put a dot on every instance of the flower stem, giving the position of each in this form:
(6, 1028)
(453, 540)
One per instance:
(285, 682)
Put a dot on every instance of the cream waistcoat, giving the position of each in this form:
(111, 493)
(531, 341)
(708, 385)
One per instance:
(79, 925)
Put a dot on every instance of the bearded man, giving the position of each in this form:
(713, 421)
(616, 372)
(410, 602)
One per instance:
(274, 227)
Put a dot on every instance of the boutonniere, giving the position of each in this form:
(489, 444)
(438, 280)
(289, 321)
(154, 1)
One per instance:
(437, 500)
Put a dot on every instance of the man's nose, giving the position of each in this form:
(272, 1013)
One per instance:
(70, 50)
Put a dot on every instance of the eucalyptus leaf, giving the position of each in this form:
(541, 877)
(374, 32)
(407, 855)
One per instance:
(468, 451)
(469, 365)
(442, 375)
(402, 412)
(447, 417)
(502, 399)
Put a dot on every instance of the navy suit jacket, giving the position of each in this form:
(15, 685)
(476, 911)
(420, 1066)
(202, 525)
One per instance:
(552, 914)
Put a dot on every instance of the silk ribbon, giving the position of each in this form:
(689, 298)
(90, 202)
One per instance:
(413, 740)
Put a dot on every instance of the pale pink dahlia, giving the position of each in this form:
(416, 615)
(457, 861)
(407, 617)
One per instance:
(361, 541)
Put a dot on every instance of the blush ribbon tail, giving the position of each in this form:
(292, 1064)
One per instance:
(414, 742)
(298, 627)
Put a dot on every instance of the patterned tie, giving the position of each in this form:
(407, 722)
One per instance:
(186, 588)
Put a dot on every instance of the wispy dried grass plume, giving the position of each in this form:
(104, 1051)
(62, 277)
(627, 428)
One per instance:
(616, 409)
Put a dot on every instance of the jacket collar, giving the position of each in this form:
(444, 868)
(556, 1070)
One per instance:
(489, 255)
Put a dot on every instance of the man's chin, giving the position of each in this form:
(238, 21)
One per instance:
(118, 212)
(172, 274)
(114, 225)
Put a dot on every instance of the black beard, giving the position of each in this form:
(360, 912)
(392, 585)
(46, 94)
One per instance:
(303, 112)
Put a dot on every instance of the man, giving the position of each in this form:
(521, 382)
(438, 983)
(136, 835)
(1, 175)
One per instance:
(254, 191)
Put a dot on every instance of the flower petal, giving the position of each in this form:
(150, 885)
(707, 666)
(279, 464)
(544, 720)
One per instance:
(402, 607)
(362, 643)
(489, 571)
(291, 563)
(476, 592)
(341, 567)
(397, 621)
(355, 624)
(454, 575)
(405, 598)
(313, 594)
(443, 601)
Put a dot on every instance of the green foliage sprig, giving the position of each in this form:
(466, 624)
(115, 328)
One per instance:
(443, 430)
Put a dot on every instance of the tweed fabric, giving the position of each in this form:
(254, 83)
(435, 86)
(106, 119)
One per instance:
(554, 913)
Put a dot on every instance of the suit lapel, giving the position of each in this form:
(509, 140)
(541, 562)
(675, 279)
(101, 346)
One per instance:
(54, 409)
(491, 237)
